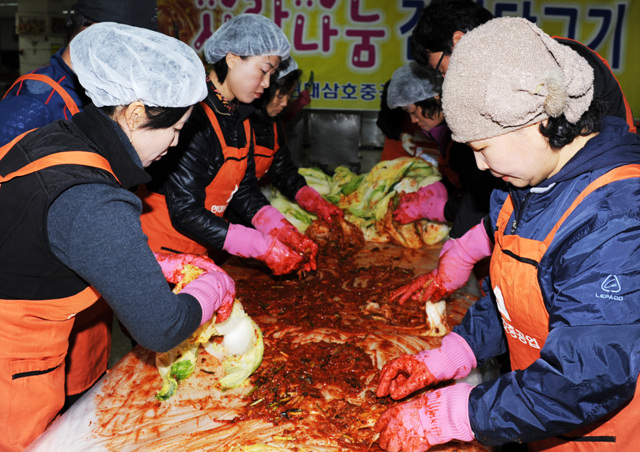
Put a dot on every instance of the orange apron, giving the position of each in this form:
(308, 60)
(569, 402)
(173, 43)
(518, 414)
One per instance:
(91, 338)
(155, 219)
(34, 339)
(514, 277)
(68, 100)
(264, 155)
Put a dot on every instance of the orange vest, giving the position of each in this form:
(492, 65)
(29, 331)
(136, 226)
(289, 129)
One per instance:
(68, 100)
(155, 219)
(34, 340)
(526, 324)
(264, 155)
(90, 342)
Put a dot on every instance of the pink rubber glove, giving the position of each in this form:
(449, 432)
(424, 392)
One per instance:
(457, 258)
(247, 242)
(435, 418)
(428, 202)
(271, 222)
(312, 201)
(214, 289)
(409, 373)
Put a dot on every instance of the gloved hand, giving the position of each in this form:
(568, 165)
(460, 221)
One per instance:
(214, 289)
(409, 373)
(304, 98)
(428, 202)
(271, 222)
(408, 144)
(312, 201)
(247, 242)
(435, 418)
(457, 258)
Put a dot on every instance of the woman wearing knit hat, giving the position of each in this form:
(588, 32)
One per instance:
(70, 229)
(563, 297)
(439, 28)
(214, 166)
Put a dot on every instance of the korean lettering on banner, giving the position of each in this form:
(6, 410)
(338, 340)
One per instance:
(353, 46)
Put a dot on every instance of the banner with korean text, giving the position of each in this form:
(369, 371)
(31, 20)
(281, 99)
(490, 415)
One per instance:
(353, 46)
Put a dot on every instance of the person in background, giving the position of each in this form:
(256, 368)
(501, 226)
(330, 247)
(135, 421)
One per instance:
(295, 106)
(440, 26)
(71, 231)
(45, 95)
(416, 90)
(52, 92)
(213, 166)
(563, 293)
(462, 196)
(394, 124)
(272, 157)
(421, 102)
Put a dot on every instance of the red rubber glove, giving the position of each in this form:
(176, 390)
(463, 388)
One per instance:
(247, 242)
(428, 202)
(312, 201)
(214, 289)
(409, 373)
(271, 222)
(457, 258)
(435, 418)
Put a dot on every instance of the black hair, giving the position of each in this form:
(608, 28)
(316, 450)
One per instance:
(76, 22)
(281, 85)
(430, 107)
(221, 68)
(439, 21)
(560, 132)
(159, 117)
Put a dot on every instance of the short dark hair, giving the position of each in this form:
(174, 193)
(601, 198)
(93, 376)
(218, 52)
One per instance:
(159, 117)
(439, 21)
(76, 22)
(430, 107)
(560, 132)
(278, 85)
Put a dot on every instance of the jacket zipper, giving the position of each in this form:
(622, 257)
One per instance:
(518, 211)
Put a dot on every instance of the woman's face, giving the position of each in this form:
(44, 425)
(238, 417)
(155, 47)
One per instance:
(522, 158)
(278, 103)
(249, 77)
(424, 122)
(152, 144)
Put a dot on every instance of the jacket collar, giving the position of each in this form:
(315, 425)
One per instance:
(112, 143)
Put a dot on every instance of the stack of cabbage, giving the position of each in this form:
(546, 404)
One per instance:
(240, 351)
(366, 200)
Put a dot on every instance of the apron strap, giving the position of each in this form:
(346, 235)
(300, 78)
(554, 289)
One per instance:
(61, 158)
(619, 173)
(66, 97)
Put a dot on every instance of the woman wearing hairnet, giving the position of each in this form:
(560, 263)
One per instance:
(214, 168)
(563, 295)
(272, 157)
(71, 230)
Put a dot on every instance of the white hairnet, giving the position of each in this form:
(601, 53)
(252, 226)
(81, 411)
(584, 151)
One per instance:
(412, 83)
(118, 64)
(286, 67)
(247, 35)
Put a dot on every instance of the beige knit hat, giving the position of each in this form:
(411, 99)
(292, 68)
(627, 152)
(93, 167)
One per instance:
(508, 74)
